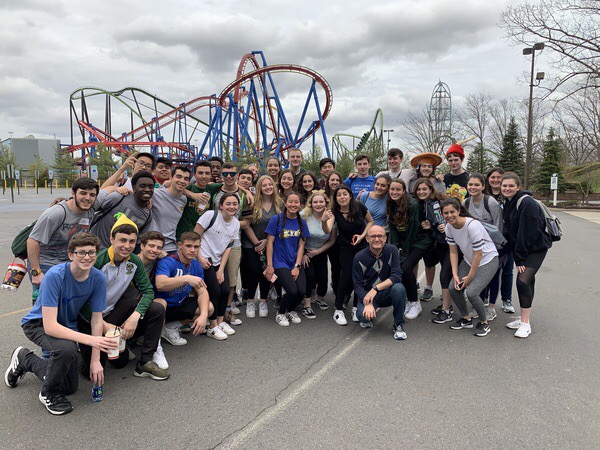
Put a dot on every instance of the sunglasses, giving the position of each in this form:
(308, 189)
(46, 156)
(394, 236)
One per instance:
(229, 174)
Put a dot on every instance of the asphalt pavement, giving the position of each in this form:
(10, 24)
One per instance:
(320, 385)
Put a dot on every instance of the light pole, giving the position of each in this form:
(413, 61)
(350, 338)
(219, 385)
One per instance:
(539, 77)
(388, 138)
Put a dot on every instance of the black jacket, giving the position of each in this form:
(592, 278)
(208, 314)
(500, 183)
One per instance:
(525, 228)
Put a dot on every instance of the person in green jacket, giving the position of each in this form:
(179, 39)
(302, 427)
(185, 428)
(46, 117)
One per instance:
(133, 311)
(413, 242)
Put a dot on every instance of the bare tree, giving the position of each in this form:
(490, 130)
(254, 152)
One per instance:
(416, 132)
(569, 29)
(501, 113)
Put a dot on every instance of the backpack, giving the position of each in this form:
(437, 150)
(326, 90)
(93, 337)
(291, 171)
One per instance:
(486, 203)
(553, 227)
(494, 233)
(19, 244)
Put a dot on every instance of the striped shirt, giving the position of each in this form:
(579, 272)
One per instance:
(471, 238)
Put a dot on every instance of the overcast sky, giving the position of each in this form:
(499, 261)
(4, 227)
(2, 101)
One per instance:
(375, 54)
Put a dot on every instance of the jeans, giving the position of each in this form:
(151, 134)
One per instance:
(393, 296)
(507, 276)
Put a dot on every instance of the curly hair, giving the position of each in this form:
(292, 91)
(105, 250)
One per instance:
(308, 211)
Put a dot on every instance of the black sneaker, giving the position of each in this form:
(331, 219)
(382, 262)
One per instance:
(322, 304)
(443, 317)
(56, 403)
(15, 369)
(439, 309)
(309, 313)
(462, 323)
(482, 329)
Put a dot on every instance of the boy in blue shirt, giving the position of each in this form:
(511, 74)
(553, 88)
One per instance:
(52, 324)
(361, 182)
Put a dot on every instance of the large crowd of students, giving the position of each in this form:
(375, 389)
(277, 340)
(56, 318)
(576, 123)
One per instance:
(157, 255)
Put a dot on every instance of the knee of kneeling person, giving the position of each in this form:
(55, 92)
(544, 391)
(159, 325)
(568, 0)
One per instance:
(398, 290)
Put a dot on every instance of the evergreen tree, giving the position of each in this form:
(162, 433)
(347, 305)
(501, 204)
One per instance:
(7, 157)
(512, 156)
(64, 165)
(479, 160)
(311, 162)
(103, 159)
(38, 165)
(552, 157)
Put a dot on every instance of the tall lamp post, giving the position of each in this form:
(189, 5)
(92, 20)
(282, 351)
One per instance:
(539, 77)
(388, 138)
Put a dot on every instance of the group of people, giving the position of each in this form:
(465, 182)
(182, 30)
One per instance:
(157, 255)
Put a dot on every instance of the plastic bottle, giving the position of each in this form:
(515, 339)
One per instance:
(97, 393)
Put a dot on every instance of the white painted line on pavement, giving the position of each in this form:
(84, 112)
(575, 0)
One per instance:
(252, 429)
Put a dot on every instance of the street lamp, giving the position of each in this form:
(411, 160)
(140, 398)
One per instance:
(388, 138)
(539, 77)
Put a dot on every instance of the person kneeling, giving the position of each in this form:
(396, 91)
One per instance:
(377, 279)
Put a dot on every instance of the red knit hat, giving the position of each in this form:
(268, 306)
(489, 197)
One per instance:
(457, 150)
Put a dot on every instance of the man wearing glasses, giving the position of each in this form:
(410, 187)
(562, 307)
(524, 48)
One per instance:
(137, 162)
(52, 325)
(377, 280)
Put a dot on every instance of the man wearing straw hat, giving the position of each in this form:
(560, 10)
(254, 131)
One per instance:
(135, 318)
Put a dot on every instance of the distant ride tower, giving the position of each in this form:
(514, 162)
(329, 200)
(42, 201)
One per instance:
(440, 117)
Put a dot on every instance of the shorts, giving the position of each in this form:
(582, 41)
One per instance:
(233, 265)
(184, 311)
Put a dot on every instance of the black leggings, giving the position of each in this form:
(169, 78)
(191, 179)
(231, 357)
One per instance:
(294, 289)
(441, 253)
(334, 260)
(252, 274)
(316, 275)
(408, 274)
(218, 293)
(526, 280)
(346, 284)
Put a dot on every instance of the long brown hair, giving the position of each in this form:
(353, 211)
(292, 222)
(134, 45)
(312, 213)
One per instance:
(397, 210)
(257, 208)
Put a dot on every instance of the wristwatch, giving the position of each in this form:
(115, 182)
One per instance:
(375, 289)
(297, 266)
(35, 272)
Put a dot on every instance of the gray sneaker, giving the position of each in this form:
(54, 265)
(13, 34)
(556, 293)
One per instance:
(427, 295)
(399, 333)
(508, 307)
(490, 314)
(368, 324)
(151, 369)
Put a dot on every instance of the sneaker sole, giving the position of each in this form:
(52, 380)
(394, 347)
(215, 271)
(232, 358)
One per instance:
(466, 327)
(341, 324)
(55, 413)
(283, 324)
(174, 343)
(483, 334)
(15, 355)
(402, 338)
(523, 337)
(439, 321)
(149, 375)
(309, 317)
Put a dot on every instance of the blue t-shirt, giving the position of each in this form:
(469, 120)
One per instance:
(285, 250)
(358, 184)
(377, 208)
(172, 266)
(59, 289)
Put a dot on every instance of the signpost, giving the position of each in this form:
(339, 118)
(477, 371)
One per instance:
(11, 176)
(37, 183)
(93, 173)
(3, 182)
(51, 176)
(554, 187)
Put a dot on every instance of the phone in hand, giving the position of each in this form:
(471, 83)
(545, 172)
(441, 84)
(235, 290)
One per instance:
(273, 278)
(461, 285)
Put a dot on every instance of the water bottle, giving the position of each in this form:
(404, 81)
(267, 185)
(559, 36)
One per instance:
(34, 295)
(97, 393)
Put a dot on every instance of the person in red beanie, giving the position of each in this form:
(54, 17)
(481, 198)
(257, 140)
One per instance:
(456, 181)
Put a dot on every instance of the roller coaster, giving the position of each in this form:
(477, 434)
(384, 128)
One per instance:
(342, 143)
(246, 121)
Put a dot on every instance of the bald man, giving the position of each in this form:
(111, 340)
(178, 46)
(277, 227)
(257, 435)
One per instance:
(377, 281)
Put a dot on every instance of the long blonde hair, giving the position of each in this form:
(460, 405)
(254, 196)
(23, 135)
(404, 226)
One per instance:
(257, 209)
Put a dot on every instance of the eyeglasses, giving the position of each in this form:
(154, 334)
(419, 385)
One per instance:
(377, 236)
(229, 174)
(144, 165)
(82, 253)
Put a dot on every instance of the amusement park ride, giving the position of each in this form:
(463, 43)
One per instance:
(247, 118)
(246, 121)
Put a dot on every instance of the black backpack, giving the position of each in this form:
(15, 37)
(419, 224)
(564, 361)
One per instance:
(19, 244)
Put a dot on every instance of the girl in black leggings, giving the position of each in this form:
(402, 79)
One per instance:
(287, 233)
(353, 222)
(525, 227)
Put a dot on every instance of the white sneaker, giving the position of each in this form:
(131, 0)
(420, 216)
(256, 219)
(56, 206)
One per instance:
(250, 310)
(235, 309)
(159, 358)
(354, 316)
(282, 320)
(226, 328)
(523, 331)
(263, 309)
(415, 310)
(216, 333)
(293, 317)
(474, 314)
(340, 317)
(172, 336)
(515, 324)
(407, 308)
